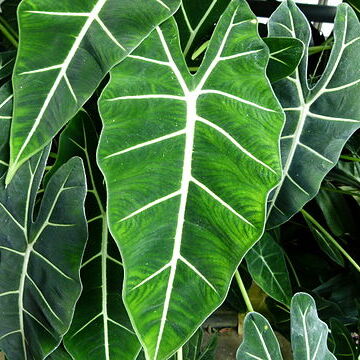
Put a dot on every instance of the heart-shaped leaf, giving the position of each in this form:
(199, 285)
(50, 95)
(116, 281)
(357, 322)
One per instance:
(66, 48)
(319, 118)
(187, 172)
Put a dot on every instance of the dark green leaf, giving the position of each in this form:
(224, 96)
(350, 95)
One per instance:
(337, 213)
(285, 56)
(196, 20)
(40, 257)
(319, 119)
(343, 345)
(101, 327)
(267, 266)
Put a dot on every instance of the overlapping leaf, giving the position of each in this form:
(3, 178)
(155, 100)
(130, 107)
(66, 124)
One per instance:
(66, 48)
(41, 247)
(319, 120)
(189, 162)
(267, 266)
(196, 21)
(308, 334)
(285, 55)
(59, 354)
(101, 327)
(259, 342)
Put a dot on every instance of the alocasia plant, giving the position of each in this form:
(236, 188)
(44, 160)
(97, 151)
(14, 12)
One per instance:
(189, 153)
(184, 165)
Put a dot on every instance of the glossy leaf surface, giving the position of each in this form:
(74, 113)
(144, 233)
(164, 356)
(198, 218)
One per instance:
(101, 327)
(184, 165)
(318, 120)
(41, 250)
(267, 266)
(83, 40)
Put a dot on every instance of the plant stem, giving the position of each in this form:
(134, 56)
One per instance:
(292, 269)
(8, 35)
(345, 157)
(179, 354)
(316, 49)
(243, 291)
(330, 238)
(8, 26)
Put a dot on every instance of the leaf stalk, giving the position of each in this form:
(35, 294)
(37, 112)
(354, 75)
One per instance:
(330, 238)
(243, 291)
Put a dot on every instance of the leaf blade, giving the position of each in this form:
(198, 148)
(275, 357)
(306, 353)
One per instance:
(316, 119)
(172, 181)
(61, 78)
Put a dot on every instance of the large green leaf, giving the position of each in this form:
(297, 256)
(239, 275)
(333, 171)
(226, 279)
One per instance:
(308, 334)
(101, 327)
(267, 266)
(66, 48)
(319, 119)
(41, 247)
(189, 162)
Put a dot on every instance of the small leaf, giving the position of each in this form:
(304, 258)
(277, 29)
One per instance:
(308, 333)
(259, 342)
(267, 266)
(285, 56)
